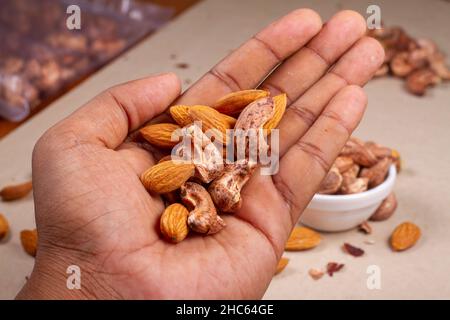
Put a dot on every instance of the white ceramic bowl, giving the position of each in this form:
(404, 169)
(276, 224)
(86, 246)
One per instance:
(343, 212)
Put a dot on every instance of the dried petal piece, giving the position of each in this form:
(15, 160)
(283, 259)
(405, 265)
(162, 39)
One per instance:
(281, 265)
(352, 250)
(316, 274)
(333, 267)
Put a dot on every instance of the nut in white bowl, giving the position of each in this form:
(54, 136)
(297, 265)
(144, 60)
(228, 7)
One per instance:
(342, 212)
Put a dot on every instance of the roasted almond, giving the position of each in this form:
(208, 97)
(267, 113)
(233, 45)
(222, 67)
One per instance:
(405, 236)
(279, 103)
(302, 238)
(160, 135)
(180, 113)
(29, 240)
(210, 119)
(173, 223)
(281, 264)
(14, 192)
(233, 103)
(4, 226)
(167, 176)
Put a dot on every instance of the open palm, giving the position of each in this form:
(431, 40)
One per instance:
(92, 210)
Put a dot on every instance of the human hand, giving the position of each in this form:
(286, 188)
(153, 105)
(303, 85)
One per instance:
(92, 210)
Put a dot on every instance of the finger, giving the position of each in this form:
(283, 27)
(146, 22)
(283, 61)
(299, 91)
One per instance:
(109, 117)
(308, 65)
(357, 66)
(318, 149)
(248, 65)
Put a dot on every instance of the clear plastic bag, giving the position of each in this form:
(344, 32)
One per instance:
(40, 56)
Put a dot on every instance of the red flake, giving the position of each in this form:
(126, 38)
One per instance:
(333, 267)
(352, 250)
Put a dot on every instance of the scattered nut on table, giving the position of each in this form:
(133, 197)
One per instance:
(418, 61)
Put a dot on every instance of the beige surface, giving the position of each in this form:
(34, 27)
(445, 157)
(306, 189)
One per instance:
(418, 127)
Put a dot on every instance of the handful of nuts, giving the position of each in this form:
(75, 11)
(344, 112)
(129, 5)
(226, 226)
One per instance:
(359, 167)
(209, 163)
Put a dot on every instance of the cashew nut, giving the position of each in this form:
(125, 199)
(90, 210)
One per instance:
(203, 216)
(225, 191)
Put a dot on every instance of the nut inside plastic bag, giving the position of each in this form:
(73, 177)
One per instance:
(40, 56)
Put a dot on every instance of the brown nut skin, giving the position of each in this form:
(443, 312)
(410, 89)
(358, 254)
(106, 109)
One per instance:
(438, 66)
(226, 189)
(332, 182)
(418, 82)
(355, 149)
(203, 216)
(378, 150)
(386, 208)
(377, 173)
(400, 65)
(352, 185)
